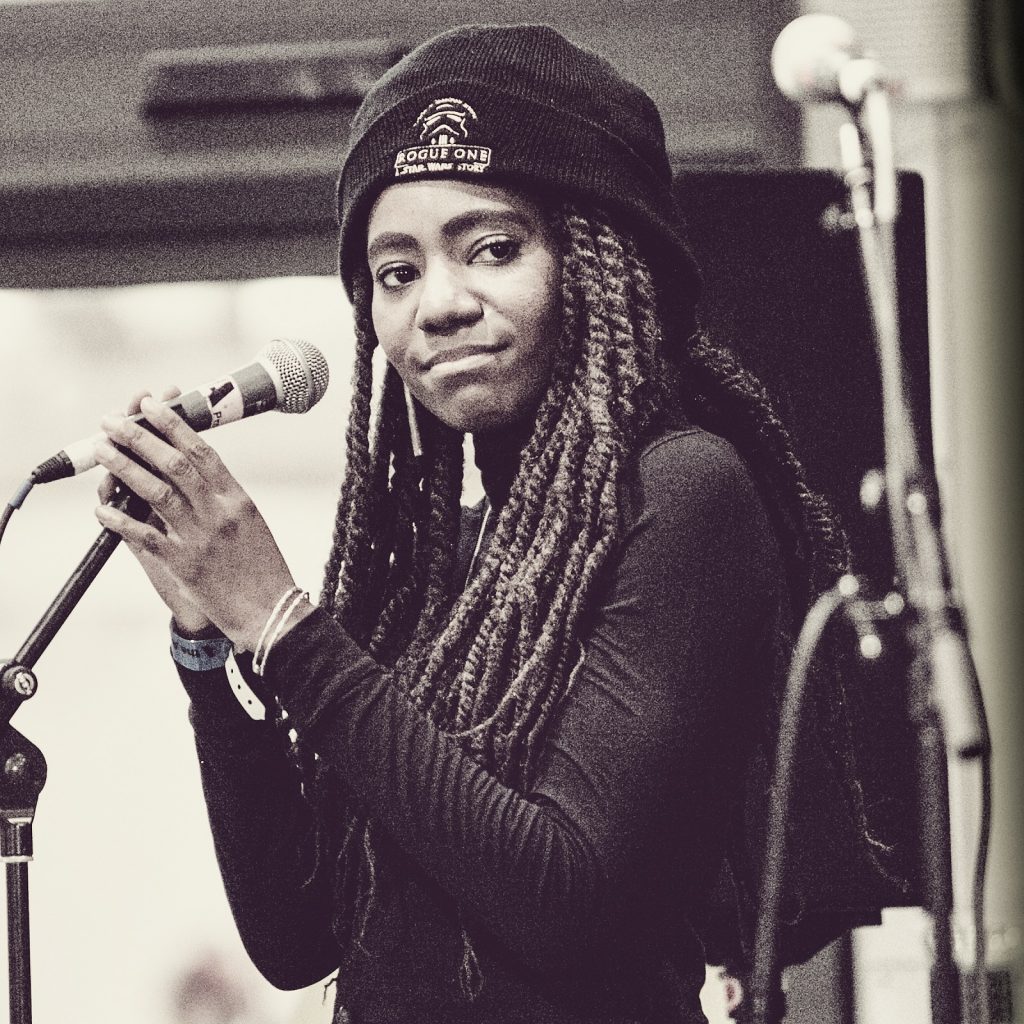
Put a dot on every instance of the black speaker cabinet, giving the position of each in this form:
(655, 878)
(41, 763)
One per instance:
(784, 290)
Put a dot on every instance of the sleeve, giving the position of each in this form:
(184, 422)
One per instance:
(262, 828)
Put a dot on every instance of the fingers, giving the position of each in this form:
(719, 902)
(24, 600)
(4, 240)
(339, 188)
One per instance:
(108, 485)
(165, 472)
(139, 536)
(201, 457)
(135, 403)
(178, 471)
(156, 491)
(106, 489)
(168, 460)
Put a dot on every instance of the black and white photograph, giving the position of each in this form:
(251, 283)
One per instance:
(620, 624)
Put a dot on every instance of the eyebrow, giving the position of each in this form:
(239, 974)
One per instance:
(389, 240)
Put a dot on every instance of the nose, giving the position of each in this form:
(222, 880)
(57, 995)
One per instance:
(446, 303)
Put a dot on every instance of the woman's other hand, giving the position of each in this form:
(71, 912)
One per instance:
(188, 618)
(205, 547)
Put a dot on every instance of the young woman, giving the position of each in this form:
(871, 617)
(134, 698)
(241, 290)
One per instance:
(504, 754)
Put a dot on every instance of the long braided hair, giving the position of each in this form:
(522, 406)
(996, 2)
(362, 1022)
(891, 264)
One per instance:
(491, 664)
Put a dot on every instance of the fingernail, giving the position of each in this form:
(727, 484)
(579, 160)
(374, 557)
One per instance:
(113, 421)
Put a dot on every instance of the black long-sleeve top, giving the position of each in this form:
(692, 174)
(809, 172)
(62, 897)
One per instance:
(575, 895)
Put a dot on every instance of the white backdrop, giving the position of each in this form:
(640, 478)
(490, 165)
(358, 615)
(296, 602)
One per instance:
(126, 903)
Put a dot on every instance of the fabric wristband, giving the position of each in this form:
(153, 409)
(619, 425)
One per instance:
(201, 655)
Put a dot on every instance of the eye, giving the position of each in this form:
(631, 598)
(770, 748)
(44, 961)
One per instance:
(392, 276)
(496, 250)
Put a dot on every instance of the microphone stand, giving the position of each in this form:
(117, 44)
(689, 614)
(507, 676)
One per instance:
(944, 698)
(24, 768)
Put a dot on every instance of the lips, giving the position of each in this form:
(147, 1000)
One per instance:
(457, 352)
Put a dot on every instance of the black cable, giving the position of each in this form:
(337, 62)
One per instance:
(764, 990)
(5, 518)
(15, 503)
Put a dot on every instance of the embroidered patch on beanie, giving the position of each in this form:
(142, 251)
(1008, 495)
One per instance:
(445, 143)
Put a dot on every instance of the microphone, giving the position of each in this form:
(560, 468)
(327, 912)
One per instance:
(289, 375)
(816, 58)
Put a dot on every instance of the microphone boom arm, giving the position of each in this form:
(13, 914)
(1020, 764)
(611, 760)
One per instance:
(17, 683)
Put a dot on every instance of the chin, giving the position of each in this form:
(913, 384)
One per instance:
(471, 421)
(474, 411)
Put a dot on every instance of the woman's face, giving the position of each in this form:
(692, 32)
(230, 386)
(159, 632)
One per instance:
(466, 298)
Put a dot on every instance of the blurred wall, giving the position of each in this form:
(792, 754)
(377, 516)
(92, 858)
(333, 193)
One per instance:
(129, 920)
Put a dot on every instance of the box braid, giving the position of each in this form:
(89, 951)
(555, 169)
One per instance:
(492, 663)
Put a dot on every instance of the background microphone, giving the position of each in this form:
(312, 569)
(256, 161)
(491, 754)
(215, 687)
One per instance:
(816, 58)
(288, 375)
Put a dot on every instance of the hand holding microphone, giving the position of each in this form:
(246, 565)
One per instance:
(206, 548)
(189, 620)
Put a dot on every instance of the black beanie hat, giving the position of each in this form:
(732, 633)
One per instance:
(521, 106)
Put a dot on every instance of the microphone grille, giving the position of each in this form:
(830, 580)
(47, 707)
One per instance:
(808, 54)
(302, 370)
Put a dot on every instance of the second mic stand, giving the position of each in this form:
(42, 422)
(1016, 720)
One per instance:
(945, 700)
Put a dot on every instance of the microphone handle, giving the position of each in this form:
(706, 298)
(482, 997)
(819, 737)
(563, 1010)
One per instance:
(78, 457)
(246, 392)
(79, 581)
